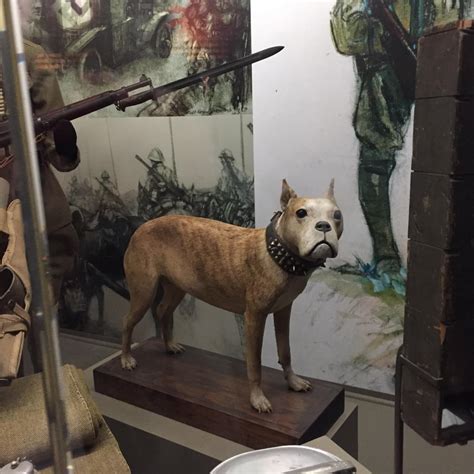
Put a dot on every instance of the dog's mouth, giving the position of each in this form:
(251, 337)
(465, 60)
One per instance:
(321, 251)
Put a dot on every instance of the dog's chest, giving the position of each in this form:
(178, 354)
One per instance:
(294, 286)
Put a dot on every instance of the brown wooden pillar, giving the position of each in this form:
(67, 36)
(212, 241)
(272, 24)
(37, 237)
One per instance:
(437, 380)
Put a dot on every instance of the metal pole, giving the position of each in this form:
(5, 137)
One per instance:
(398, 415)
(29, 190)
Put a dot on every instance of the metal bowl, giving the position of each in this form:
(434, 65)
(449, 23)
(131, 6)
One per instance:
(284, 460)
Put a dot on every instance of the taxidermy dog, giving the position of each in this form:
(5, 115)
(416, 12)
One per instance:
(252, 272)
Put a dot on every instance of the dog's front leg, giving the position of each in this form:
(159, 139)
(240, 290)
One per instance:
(281, 321)
(254, 327)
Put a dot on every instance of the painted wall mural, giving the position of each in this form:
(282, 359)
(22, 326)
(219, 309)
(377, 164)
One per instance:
(188, 153)
(111, 43)
(385, 70)
(105, 219)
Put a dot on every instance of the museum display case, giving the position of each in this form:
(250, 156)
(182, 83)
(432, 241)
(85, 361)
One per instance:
(230, 234)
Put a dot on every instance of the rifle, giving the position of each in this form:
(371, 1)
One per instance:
(175, 188)
(399, 46)
(122, 98)
(116, 198)
(179, 192)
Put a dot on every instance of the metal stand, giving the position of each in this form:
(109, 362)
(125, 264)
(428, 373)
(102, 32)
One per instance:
(399, 426)
(44, 318)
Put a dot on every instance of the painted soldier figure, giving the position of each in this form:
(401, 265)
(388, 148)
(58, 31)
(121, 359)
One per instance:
(196, 16)
(110, 200)
(229, 35)
(382, 109)
(380, 121)
(218, 32)
(234, 192)
(232, 181)
(159, 169)
(161, 193)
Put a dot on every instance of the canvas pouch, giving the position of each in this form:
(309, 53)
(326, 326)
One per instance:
(15, 292)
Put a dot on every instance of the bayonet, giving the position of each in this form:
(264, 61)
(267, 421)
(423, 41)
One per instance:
(122, 98)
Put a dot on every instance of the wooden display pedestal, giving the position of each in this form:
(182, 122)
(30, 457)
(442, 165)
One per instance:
(210, 392)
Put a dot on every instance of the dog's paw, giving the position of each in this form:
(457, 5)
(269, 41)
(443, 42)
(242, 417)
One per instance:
(174, 348)
(128, 362)
(260, 402)
(298, 384)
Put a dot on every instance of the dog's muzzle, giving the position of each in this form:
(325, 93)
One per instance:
(322, 250)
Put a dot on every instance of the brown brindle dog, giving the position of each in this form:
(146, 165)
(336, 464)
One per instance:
(247, 271)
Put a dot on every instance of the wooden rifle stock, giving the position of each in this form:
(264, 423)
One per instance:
(75, 110)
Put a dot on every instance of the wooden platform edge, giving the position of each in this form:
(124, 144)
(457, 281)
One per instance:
(246, 431)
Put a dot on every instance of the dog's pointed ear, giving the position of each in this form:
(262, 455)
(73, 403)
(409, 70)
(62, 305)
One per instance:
(330, 191)
(286, 194)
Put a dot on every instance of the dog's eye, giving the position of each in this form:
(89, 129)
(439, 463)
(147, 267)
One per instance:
(337, 215)
(301, 213)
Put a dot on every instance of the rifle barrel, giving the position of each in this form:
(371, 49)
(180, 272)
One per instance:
(382, 10)
(160, 91)
(122, 99)
(91, 104)
(399, 46)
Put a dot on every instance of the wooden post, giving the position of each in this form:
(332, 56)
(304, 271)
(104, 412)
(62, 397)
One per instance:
(438, 349)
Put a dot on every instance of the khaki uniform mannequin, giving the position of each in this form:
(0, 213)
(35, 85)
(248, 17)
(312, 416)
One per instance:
(55, 149)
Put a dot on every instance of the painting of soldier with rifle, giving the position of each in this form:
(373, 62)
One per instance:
(381, 36)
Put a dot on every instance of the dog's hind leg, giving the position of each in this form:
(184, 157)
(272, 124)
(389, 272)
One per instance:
(163, 313)
(142, 283)
(154, 309)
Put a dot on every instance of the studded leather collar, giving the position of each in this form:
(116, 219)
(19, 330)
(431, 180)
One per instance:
(283, 256)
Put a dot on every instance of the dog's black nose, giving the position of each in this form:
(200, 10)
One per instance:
(323, 226)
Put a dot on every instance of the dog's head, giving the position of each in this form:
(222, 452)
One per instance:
(310, 227)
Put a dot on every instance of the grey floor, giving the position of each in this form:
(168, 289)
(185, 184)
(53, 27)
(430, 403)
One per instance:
(375, 429)
(142, 451)
(83, 352)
